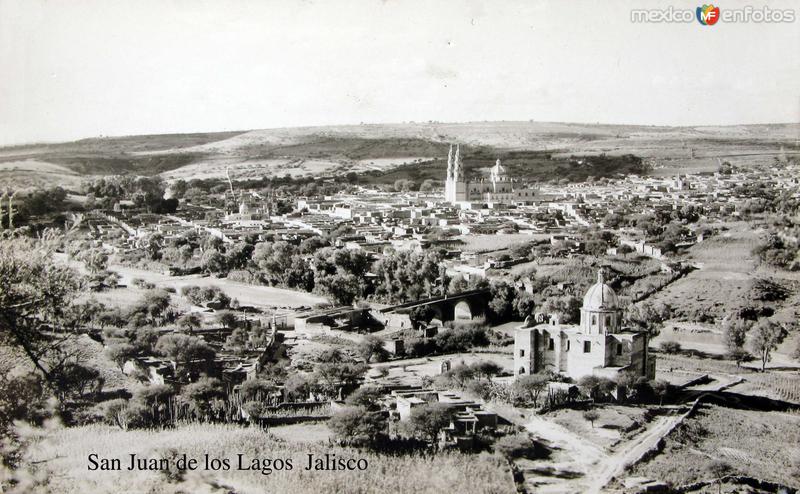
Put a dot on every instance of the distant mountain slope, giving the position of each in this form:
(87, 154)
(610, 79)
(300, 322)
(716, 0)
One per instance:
(381, 147)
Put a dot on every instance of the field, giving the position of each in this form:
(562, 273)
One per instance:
(31, 173)
(60, 455)
(411, 371)
(492, 243)
(250, 295)
(764, 445)
(781, 385)
(722, 284)
(393, 151)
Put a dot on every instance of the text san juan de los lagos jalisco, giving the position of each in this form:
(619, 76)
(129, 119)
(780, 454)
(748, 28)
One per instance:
(239, 462)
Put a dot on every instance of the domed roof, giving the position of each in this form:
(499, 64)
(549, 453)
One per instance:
(600, 296)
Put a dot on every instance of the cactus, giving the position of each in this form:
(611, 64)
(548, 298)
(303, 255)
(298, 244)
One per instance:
(2, 213)
(11, 211)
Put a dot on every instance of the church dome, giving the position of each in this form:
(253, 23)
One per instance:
(600, 296)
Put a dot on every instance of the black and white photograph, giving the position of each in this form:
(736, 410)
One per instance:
(399, 246)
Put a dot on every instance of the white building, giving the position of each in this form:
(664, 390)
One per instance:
(599, 345)
(498, 189)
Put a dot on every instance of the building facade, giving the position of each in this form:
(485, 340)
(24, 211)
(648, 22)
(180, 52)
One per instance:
(499, 188)
(599, 345)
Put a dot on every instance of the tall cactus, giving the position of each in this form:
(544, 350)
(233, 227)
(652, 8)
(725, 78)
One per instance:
(2, 212)
(11, 211)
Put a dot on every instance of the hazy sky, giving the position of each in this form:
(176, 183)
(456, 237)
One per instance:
(78, 68)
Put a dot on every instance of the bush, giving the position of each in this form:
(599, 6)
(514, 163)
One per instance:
(591, 416)
(199, 295)
(518, 446)
(670, 347)
(358, 427)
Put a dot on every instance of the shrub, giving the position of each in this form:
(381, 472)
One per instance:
(357, 426)
(670, 347)
(518, 446)
(591, 416)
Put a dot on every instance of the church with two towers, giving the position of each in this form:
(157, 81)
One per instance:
(497, 188)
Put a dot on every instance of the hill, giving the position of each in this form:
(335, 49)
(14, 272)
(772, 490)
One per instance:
(317, 151)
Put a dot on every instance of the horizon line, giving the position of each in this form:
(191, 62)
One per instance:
(375, 124)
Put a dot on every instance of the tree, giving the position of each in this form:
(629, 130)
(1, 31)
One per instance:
(227, 319)
(96, 260)
(662, 388)
(428, 421)
(256, 390)
(524, 305)
(595, 387)
(151, 307)
(766, 338)
(457, 377)
(152, 246)
(358, 426)
(421, 315)
(407, 275)
(796, 352)
(624, 250)
(516, 446)
(274, 260)
(339, 274)
(119, 353)
(156, 399)
(531, 386)
(648, 316)
(567, 308)
(501, 303)
(591, 416)
(372, 346)
(74, 379)
(486, 368)
(670, 347)
(366, 397)
(188, 352)
(213, 261)
(719, 469)
(203, 398)
(335, 376)
(189, 322)
(35, 290)
(735, 334)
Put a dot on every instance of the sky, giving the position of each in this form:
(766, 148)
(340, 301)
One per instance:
(78, 68)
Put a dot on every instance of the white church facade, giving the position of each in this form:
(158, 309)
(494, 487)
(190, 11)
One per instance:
(598, 346)
(499, 188)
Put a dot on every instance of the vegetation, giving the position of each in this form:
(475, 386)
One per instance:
(67, 450)
(766, 338)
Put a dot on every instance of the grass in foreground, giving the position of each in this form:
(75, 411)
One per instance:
(62, 454)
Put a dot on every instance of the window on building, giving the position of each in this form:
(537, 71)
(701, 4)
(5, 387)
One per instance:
(619, 348)
(567, 345)
(608, 320)
(594, 320)
(522, 353)
(522, 370)
(551, 344)
(587, 346)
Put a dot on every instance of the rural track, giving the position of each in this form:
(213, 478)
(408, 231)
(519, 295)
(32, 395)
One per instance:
(612, 465)
(596, 465)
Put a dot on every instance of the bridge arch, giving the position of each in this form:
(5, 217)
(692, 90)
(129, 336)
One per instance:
(462, 311)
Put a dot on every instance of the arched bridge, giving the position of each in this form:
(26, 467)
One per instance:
(457, 306)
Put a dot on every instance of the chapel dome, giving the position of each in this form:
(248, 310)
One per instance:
(600, 296)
